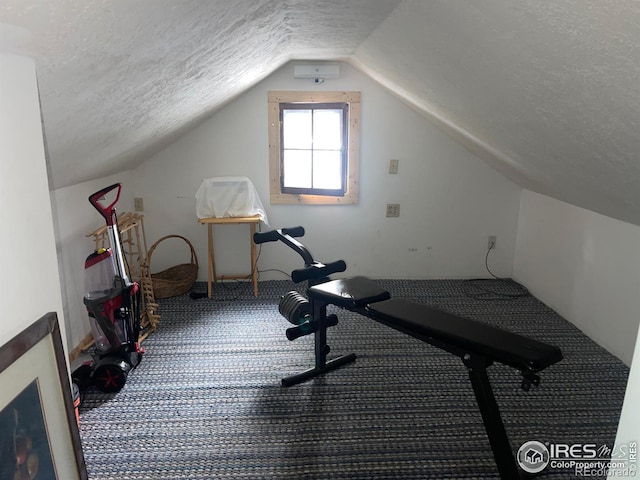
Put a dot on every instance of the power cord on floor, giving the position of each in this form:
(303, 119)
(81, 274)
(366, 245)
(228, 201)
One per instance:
(239, 283)
(197, 295)
(514, 289)
(274, 270)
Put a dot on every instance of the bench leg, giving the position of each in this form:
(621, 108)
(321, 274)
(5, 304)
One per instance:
(315, 371)
(496, 432)
(319, 312)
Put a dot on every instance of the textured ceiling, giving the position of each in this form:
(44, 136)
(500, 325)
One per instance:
(121, 79)
(547, 92)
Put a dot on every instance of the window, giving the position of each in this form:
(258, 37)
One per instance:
(314, 147)
(313, 153)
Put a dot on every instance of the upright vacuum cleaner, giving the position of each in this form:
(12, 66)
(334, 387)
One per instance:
(113, 305)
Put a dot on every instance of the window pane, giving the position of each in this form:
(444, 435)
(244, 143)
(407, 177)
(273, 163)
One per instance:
(327, 129)
(296, 128)
(327, 170)
(297, 168)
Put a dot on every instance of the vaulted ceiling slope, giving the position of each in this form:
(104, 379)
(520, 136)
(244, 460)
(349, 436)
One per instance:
(120, 79)
(547, 92)
(550, 90)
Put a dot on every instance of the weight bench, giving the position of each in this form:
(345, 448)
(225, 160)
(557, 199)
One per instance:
(477, 344)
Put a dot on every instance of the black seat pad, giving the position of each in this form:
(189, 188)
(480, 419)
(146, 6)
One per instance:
(351, 292)
(425, 323)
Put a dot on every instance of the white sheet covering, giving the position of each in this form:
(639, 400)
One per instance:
(228, 197)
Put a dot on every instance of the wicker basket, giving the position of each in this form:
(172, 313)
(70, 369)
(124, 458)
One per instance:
(175, 280)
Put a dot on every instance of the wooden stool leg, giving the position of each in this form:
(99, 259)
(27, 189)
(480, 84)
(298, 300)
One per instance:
(211, 264)
(211, 260)
(254, 261)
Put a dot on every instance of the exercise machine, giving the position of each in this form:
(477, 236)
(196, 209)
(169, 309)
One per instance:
(477, 344)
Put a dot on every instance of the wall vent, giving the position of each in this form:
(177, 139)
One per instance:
(317, 71)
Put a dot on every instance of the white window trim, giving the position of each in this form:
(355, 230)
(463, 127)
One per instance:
(353, 158)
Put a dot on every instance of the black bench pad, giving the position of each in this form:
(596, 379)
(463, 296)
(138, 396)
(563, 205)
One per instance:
(351, 292)
(425, 323)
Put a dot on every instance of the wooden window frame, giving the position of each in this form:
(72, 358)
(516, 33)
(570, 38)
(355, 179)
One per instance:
(350, 197)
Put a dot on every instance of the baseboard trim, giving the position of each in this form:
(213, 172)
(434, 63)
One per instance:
(85, 343)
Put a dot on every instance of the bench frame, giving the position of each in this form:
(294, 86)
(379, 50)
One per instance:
(358, 295)
(476, 366)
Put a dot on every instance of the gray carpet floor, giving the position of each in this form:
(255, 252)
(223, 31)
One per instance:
(206, 401)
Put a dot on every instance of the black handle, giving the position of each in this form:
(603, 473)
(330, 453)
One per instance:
(311, 326)
(318, 270)
(275, 235)
(293, 231)
(262, 237)
(299, 331)
(285, 235)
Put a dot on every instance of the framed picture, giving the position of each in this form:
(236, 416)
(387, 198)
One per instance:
(39, 436)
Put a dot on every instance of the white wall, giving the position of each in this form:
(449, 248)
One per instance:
(629, 426)
(30, 280)
(450, 200)
(74, 218)
(584, 265)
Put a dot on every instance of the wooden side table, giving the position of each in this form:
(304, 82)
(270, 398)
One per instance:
(211, 261)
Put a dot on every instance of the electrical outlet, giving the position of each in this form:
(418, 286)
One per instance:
(393, 209)
(393, 166)
(492, 242)
(138, 205)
